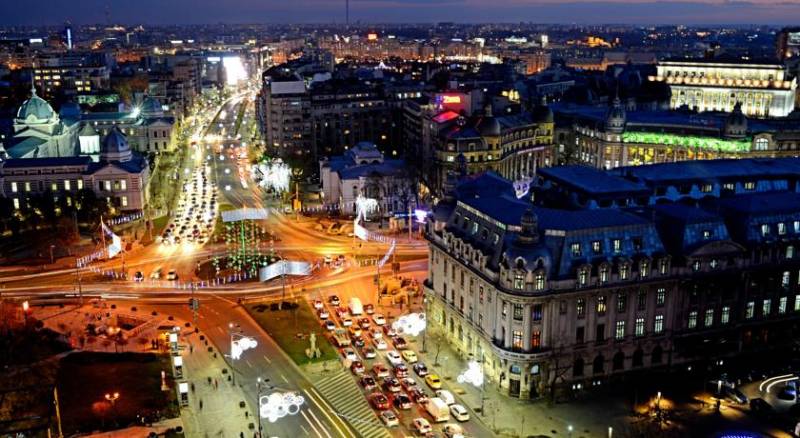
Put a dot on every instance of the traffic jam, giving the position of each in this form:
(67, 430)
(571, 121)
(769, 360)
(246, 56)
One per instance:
(399, 387)
(193, 221)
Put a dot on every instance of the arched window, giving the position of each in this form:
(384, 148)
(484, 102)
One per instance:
(577, 368)
(762, 144)
(619, 361)
(638, 357)
(656, 355)
(597, 365)
(539, 280)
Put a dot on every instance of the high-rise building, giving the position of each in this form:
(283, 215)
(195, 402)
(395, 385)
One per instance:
(788, 43)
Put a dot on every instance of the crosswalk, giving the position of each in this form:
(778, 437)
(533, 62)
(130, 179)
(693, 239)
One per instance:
(346, 398)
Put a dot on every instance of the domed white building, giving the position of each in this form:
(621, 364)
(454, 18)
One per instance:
(40, 132)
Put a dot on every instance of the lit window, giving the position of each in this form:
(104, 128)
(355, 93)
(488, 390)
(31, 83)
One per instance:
(576, 250)
(706, 234)
(601, 305)
(790, 252)
(782, 305)
(619, 330)
(80, 184)
(765, 230)
(658, 326)
(54, 186)
(597, 247)
(603, 274)
(516, 340)
(661, 296)
(766, 307)
(539, 283)
(639, 326)
(16, 203)
(617, 244)
(644, 269)
(580, 307)
(781, 228)
(123, 184)
(623, 271)
(750, 185)
(107, 186)
(124, 201)
(13, 187)
(709, 318)
(797, 226)
(519, 281)
(785, 279)
(750, 309)
(518, 312)
(692, 319)
(583, 277)
(67, 185)
(726, 315)
(27, 186)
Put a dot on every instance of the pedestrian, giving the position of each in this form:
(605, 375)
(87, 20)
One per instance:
(246, 414)
(201, 404)
(192, 386)
(241, 434)
(191, 348)
(216, 384)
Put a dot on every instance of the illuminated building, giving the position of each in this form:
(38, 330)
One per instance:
(788, 43)
(72, 73)
(761, 87)
(639, 269)
(284, 115)
(613, 137)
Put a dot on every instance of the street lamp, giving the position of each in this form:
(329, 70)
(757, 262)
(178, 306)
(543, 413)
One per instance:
(112, 398)
(259, 384)
(25, 307)
(474, 376)
(569, 430)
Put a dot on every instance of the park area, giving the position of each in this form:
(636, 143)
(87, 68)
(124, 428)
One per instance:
(105, 390)
(291, 328)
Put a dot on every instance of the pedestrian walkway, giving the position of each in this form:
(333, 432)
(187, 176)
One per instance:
(214, 401)
(345, 396)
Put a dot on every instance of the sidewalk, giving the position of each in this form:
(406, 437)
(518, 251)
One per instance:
(220, 414)
(513, 417)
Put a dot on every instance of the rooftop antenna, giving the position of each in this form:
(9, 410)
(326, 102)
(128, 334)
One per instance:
(347, 12)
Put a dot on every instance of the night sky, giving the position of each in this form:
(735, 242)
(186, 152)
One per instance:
(329, 11)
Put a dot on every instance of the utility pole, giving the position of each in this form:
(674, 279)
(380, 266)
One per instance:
(58, 412)
(410, 222)
(80, 286)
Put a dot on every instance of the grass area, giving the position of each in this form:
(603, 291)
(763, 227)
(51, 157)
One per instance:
(219, 226)
(284, 325)
(159, 223)
(85, 378)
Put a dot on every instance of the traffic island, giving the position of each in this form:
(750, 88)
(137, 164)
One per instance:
(291, 326)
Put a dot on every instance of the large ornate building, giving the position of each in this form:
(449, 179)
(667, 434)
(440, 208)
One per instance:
(601, 273)
(619, 136)
(763, 88)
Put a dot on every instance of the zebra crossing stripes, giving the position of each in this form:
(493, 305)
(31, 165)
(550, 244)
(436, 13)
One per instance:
(347, 399)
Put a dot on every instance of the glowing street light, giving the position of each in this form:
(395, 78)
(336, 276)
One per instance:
(474, 376)
(279, 404)
(412, 324)
(112, 398)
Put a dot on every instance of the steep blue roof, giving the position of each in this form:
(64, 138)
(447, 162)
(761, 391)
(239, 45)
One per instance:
(712, 169)
(590, 180)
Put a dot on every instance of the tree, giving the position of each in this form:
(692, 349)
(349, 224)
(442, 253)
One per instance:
(7, 212)
(89, 207)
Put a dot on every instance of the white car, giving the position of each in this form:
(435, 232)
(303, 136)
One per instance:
(347, 322)
(380, 344)
(350, 354)
(376, 333)
(446, 396)
(394, 357)
(330, 325)
(389, 418)
(378, 319)
(422, 426)
(459, 412)
(452, 430)
(172, 275)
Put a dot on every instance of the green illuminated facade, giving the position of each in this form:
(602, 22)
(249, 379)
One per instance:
(688, 141)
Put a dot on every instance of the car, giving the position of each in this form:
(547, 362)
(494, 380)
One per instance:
(787, 393)
(408, 383)
(376, 333)
(420, 369)
(347, 322)
(323, 314)
(355, 330)
(155, 275)
(369, 309)
(399, 343)
(394, 357)
(389, 331)
(358, 341)
(328, 259)
(452, 430)
(369, 353)
(401, 370)
(421, 425)
(380, 344)
(380, 370)
(459, 412)
(172, 275)
(364, 323)
(417, 394)
(736, 396)
(446, 396)
(318, 304)
(329, 325)
(759, 407)
(367, 382)
(379, 401)
(433, 381)
(378, 319)
(357, 367)
(349, 354)
(409, 356)
(402, 401)
(389, 418)
(138, 276)
(391, 384)
(341, 312)
(334, 300)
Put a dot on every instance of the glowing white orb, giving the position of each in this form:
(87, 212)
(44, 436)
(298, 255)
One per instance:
(412, 324)
(278, 405)
(472, 375)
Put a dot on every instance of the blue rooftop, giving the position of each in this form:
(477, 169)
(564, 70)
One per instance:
(590, 180)
(712, 169)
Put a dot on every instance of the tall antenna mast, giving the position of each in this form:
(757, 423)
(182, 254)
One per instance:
(347, 12)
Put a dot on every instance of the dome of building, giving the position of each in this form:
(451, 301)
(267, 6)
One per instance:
(36, 110)
(115, 147)
(70, 110)
(488, 126)
(526, 251)
(736, 123)
(151, 107)
(87, 130)
(616, 117)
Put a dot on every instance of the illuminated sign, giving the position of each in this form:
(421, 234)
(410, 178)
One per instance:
(35, 40)
(687, 141)
(451, 99)
(372, 36)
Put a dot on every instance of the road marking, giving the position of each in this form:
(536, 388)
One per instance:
(311, 424)
(248, 363)
(305, 430)
(267, 359)
(323, 410)
(284, 378)
(220, 330)
(324, 429)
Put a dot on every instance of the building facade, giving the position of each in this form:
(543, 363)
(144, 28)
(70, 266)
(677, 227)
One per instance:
(761, 88)
(649, 267)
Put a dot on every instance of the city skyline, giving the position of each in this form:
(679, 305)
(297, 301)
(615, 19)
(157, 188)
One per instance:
(699, 12)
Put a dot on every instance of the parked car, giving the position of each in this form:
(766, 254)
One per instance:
(318, 304)
(347, 322)
(364, 323)
(452, 430)
(349, 354)
(155, 275)
(459, 412)
(389, 419)
(420, 369)
(369, 309)
(380, 344)
(433, 381)
(323, 314)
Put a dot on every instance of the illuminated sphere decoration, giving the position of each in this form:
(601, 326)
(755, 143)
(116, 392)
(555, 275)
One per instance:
(279, 404)
(238, 346)
(472, 375)
(412, 324)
